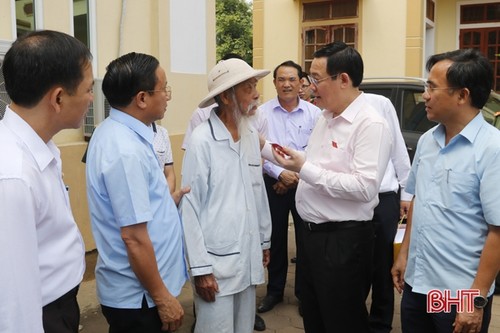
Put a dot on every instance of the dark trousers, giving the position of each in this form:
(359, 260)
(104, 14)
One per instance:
(63, 314)
(144, 320)
(415, 319)
(336, 271)
(281, 205)
(385, 223)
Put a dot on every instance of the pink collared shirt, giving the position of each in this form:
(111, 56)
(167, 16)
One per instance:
(346, 158)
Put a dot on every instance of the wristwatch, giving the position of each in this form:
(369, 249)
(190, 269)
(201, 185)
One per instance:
(480, 302)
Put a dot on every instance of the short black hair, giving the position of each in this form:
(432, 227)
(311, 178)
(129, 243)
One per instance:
(470, 69)
(127, 75)
(342, 58)
(39, 60)
(289, 63)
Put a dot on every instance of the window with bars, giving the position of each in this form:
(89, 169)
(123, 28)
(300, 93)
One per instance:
(480, 13)
(25, 17)
(317, 37)
(485, 38)
(329, 10)
(430, 9)
(81, 21)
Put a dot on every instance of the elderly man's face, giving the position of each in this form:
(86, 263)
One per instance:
(247, 97)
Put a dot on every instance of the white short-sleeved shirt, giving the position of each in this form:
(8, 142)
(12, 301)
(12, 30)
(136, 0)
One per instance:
(162, 146)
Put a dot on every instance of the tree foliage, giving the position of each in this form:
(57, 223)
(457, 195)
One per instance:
(234, 28)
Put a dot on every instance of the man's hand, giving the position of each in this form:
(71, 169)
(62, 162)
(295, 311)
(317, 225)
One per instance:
(266, 257)
(293, 162)
(177, 195)
(206, 287)
(280, 188)
(468, 321)
(398, 272)
(289, 178)
(171, 313)
(404, 207)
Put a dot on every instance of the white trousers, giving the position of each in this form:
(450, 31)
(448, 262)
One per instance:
(228, 314)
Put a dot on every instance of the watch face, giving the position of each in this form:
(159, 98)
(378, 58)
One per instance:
(480, 302)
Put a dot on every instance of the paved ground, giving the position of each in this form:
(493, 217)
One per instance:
(284, 318)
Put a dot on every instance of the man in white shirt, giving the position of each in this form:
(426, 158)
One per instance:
(290, 121)
(202, 114)
(227, 224)
(163, 151)
(388, 212)
(48, 76)
(340, 176)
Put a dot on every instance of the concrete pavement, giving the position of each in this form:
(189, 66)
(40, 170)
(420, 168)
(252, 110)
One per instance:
(284, 318)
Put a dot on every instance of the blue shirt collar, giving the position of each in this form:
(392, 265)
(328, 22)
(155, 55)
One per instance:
(469, 132)
(133, 123)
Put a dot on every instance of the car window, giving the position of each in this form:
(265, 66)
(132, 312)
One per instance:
(491, 111)
(379, 91)
(414, 115)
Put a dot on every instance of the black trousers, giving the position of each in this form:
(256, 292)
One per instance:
(144, 320)
(281, 206)
(336, 272)
(415, 319)
(385, 223)
(63, 314)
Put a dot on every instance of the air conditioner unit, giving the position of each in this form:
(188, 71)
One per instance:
(98, 110)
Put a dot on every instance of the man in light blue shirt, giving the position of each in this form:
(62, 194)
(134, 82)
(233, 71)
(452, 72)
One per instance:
(135, 223)
(453, 231)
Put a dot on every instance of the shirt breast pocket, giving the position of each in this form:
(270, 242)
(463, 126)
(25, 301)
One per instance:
(255, 170)
(226, 260)
(459, 190)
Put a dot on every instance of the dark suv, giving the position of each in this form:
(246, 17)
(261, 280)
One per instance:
(406, 96)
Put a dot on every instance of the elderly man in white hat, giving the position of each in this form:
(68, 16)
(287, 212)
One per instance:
(227, 223)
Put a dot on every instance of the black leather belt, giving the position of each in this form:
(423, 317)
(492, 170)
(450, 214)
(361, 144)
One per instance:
(385, 194)
(334, 225)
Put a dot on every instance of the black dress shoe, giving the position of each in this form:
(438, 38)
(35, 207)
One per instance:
(268, 303)
(260, 324)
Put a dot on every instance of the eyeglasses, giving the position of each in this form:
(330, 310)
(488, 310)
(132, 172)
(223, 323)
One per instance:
(317, 81)
(430, 89)
(167, 90)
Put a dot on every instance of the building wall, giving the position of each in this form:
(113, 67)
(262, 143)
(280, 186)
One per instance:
(414, 39)
(447, 25)
(145, 28)
(282, 38)
(5, 21)
(381, 37)
(393, 35)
